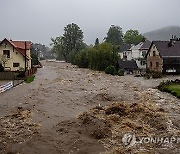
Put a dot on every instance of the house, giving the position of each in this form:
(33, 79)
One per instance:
(137, 53)
(164, 56)
(129, 66)
(14, 54)
(124, 51)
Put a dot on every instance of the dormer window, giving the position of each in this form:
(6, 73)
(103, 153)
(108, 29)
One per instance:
(154, 53)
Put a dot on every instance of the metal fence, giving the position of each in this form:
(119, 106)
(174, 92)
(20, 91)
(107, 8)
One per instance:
(6, 86)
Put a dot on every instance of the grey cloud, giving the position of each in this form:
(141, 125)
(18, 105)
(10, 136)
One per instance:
(39, 20)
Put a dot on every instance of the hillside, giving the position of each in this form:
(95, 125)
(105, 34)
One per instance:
(163, 34)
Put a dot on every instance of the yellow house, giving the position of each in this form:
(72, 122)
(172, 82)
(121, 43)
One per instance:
(13, 53)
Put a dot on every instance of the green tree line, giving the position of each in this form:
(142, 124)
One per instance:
(98, 57)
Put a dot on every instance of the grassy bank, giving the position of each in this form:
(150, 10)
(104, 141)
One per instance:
(172, 87)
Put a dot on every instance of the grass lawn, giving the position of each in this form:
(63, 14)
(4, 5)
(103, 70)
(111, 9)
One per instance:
(30, 79)
(173, 89)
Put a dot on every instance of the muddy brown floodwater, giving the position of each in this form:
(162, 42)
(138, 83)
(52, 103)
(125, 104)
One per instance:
(41, 117)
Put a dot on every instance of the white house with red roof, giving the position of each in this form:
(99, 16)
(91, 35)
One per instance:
(16, 54)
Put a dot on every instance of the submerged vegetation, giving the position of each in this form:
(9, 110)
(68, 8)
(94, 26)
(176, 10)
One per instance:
(119, 118)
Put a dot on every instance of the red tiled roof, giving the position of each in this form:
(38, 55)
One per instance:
(21, 44)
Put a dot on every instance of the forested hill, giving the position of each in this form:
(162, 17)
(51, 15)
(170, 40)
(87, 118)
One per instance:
(163, 34)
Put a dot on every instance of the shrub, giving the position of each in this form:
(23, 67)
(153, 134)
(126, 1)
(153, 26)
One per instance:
(110, 70)
(20, 74)
(71, 57)
(121, 72)
(1, 68)
(82, 59)
(147, 76)
(42, 58)
(170, 86)
(102, 56)
(30, 79)
(156, 75)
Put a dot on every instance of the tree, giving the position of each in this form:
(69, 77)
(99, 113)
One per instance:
(133, 37)
(70, 41)
(34, 56)
(58, 47)
(114, 35)
(97, 42)
(103, 56)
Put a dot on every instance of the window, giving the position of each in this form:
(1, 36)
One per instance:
(143, 53)
(157, 64)
(154, 53)
(143, 62)
(7, 53)
(150, 64)
(15, 64)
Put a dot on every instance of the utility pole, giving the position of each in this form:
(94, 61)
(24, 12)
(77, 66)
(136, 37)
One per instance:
(25, 56)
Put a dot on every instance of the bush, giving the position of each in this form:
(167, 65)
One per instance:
(1, 68)
(147, 76)
(111, 70)
(71, 57)
(156, 75)
(102, 56)
(153, 74)
(170, 86)
(42, 58)
(121, 72)
(82, 59)
(30, 79)
(20, 74)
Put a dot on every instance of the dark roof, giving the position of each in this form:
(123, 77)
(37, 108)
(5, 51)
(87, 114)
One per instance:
(146, 45)
(167, 51)
(128, 64)
(124, 47)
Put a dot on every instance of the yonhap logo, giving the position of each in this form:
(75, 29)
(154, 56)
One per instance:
(129, 140)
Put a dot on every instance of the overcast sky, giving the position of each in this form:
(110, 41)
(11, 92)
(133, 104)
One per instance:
(39, 20)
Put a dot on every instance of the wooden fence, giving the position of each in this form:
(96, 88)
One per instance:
(7, 75)
(17, 75)
(31, 72)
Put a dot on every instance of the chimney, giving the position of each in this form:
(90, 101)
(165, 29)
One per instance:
(178, 39)
(171, 42)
